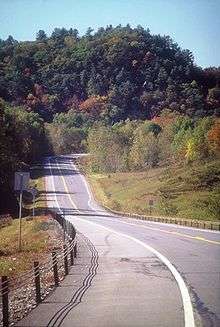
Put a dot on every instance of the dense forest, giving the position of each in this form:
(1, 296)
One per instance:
(115, 73)
(54, 89)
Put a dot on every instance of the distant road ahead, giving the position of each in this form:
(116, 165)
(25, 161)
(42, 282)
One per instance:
(149, 274)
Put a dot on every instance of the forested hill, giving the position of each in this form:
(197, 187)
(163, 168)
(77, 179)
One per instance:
(112, 74)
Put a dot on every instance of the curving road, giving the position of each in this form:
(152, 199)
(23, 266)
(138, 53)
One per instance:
(143, 273)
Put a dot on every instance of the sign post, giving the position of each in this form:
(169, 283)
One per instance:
(151, 203)
(20, 208)
(33, 205)
(21, 184)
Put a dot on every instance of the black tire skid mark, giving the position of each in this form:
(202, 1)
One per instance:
(76, 299)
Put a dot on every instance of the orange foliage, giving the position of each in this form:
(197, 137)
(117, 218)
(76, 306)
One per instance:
(93, 105)
(166, 118)
(35, 98)
(32, 101)
(214, 137)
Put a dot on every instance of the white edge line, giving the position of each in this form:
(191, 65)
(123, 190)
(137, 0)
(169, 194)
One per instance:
(138, 220)
(187, 305)
(53, 187)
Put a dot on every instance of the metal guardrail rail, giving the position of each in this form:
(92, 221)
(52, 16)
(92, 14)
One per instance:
(34, 279)
(205, 224)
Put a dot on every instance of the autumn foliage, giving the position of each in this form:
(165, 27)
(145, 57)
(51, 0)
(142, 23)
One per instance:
(94, 105)
(214, 137)
(116, 72)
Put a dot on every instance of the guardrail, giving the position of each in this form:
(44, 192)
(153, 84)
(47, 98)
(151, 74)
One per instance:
(31, 288)
(205, 224)
(213, 225)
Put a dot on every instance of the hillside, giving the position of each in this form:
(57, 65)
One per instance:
(120, 89)
(185, 192)
(112, 74)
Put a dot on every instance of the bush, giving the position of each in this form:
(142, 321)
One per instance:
(5, 220)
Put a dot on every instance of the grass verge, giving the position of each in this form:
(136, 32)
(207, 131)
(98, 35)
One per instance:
(186, 192)
(37, 240)
(39, 234)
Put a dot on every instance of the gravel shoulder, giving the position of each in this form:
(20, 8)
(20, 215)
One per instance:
(59, 300)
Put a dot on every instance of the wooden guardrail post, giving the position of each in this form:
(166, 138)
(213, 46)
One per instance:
(75, 250)
(66, 268)
(71, 255)
(37, 281)
(5, 304)
(72, 232)
(55, 269)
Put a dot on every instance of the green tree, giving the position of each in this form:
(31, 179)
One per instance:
(145, 151)
(107, 152)
(41, 36)
(22, 141)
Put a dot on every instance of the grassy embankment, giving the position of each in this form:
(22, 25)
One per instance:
(186, 192)
(37, 236)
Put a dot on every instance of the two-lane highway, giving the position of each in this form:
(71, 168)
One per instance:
(149, 274)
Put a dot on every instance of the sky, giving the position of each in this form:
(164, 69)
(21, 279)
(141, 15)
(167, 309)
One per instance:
(193, 24)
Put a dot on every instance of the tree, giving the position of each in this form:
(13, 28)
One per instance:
(41, 36)
(199, 140)
(193, 99)
(139, 73)
(11, 41)
(214, 138)
(89, 32)
(190, 140)
(111, 114)
(183, 131)
(74, 33)
(165, 139)
(93, 106)
(22, 141)
(107, 152)
(145, 151)
(66, 140)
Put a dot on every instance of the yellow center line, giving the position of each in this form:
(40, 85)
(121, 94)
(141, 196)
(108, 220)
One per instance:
(198, 238)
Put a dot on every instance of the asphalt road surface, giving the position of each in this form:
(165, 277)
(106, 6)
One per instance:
(143, 273)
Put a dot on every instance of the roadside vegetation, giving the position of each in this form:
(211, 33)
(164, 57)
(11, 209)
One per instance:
(37, 241)
(135, 101)
(40, 234)
(175, 191)
(22, 142)
(172, 160)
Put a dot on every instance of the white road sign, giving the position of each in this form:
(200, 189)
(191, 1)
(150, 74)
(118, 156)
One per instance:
(21, 180)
